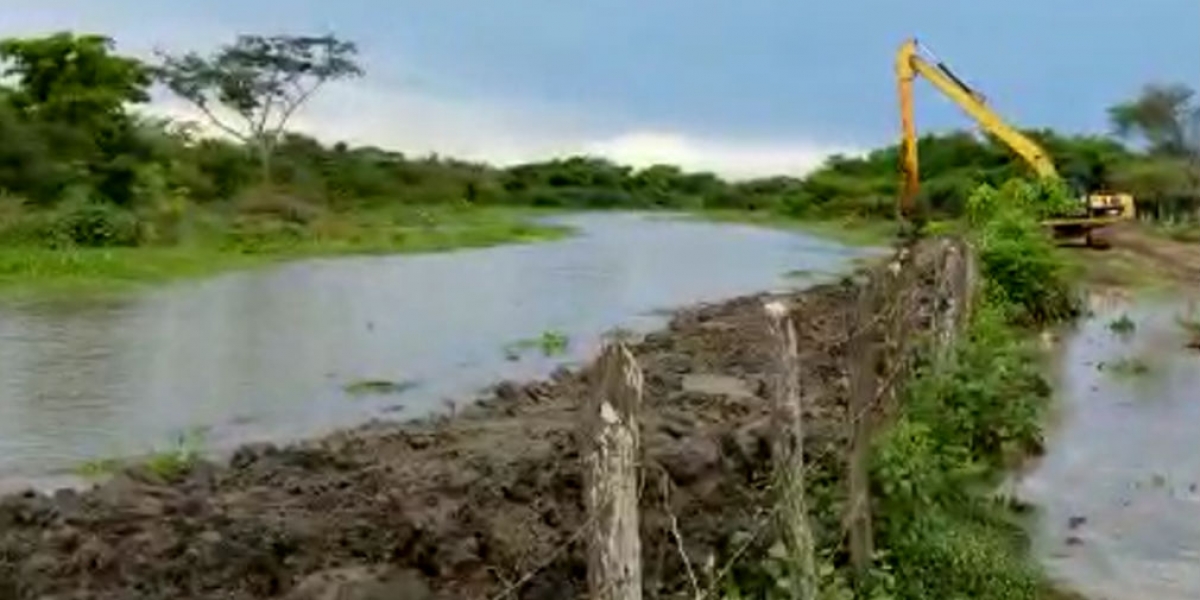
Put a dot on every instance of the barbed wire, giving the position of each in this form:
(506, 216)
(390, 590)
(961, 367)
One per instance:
(894, 311)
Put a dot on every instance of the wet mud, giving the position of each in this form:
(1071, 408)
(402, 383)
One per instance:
(463, 506)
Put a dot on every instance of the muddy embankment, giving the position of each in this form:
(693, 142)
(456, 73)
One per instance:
(472, 506)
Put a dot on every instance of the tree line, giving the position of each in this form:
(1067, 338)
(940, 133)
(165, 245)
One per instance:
(82, 163)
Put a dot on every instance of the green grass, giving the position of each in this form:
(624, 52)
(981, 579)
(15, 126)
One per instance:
(551, 343)
(168, 463)
(98, 468)
(30, 270)
(370, 387)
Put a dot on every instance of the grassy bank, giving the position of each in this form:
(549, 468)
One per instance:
(208, 242)
(967, 421)
(214, 243)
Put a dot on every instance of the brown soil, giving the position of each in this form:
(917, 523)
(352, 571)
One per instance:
(1138, 255)
(463, 507)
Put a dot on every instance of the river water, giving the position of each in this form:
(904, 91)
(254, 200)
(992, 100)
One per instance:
(268, 354)
(1117, 494)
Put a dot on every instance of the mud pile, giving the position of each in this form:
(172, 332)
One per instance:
(472, 506)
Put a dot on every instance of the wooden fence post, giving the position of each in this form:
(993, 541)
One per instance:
(900, 295)
(862, 354)
(611, 457)
(787, 452)
(952, 274)
(970, 279)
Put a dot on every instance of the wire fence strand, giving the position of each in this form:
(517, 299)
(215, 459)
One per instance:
(899, 300)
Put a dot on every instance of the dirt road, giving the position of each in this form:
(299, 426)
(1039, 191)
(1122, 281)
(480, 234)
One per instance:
(1138, 257)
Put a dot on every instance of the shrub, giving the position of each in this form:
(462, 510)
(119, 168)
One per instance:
(79, 221)
(275, 204)
(258, 234)
(962, 424)
(1023, 275)
(965, 420)
(86, 222)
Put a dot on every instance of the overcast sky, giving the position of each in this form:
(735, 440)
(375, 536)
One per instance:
(742, 87)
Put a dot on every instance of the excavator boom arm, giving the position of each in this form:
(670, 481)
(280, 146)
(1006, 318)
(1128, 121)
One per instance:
(909, 64)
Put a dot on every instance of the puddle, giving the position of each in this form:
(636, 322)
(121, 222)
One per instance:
(1119, 511)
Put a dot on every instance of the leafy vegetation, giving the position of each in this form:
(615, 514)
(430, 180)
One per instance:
(83, 166)
(942, 532)
(1122, 325)
(32, 268)
(169, 463)
(263, 80)
(93, 191)
(369, 387)
(178, 459)
(1022, 273)
(964, 422)
(550, 342)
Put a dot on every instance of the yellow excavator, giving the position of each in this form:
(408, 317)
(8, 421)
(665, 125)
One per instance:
(1102, 208)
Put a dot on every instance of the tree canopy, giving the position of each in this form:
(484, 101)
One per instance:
(74, 80)
(73, 138)
(263, 80)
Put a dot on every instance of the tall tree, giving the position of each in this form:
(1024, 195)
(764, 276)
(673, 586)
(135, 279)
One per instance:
(263, 80)
(1165, 116)
(69, 93)
(72, 79)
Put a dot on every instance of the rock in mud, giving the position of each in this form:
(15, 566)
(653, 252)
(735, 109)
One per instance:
(689, 459)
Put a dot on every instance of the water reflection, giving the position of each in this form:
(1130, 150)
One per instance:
(266, 354)
(1117, 491)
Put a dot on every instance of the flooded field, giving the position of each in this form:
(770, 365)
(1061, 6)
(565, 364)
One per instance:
(1117, 491)
(299, 349)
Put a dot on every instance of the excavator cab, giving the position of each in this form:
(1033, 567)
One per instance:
(1117, 205)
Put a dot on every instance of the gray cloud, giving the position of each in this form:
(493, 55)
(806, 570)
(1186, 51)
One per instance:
(419, 119)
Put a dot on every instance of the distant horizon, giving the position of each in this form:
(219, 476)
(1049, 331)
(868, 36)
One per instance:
(756, 88)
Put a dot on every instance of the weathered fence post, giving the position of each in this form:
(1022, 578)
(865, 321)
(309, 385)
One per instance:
(862, 354)
(900, 295)
(787, 451)
(970, 279)
(611, 457)
(948, 276)
(956, 282)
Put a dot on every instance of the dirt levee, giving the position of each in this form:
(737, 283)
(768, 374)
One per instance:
(462, 507)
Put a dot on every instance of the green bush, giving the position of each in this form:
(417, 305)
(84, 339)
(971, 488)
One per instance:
(259, 234)
(963, 423)
(970, 417)
(78, 222)
(1023, 275)
(943, 554)
(90, 223)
